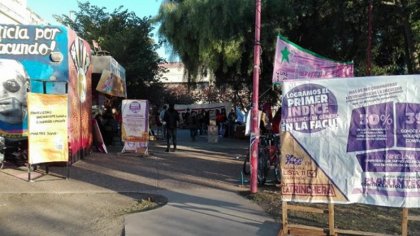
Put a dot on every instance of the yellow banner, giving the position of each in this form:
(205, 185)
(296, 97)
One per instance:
(47, 126)
(302, 179)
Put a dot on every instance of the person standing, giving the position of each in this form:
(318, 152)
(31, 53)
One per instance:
(202, 122)
(171, 118)
(109, 127)
(186, 118)
(222, 123)
(276, 122)
(162, 122)
(231, 122)
(193, 124)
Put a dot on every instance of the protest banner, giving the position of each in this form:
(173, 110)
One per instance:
(293, 62)
(135, 125)
(351, 141)
(48, 128)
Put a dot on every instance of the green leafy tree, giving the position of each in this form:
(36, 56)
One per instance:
(128, 39)
(219, 35)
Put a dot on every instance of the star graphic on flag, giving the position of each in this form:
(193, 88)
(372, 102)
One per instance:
(285, 54)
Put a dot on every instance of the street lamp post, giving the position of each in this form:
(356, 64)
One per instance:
(255, 131)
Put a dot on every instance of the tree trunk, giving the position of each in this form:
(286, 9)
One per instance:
(410, 52)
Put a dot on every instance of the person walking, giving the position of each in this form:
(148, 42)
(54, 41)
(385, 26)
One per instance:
(171, 118)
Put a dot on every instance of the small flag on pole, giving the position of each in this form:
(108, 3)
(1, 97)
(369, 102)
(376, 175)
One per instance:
(95, 44)
(293, 62)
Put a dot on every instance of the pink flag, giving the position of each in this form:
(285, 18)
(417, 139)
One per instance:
(95, 44)
(294, 62)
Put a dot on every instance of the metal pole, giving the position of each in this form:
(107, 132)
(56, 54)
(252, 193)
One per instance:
(369, 46)
(255, 131)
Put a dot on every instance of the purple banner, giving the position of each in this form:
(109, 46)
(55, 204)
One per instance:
(390, 161)
(309, 108)
(294, 62)
(408, 125)
(371, 127)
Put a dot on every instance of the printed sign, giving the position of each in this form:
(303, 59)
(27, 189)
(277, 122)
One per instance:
(47, 116)
(353, 140)
(293, 62)
(135, 124)
(43, 40)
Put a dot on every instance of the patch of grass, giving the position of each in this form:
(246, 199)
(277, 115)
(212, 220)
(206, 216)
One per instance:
(145, 203)
(140, 205)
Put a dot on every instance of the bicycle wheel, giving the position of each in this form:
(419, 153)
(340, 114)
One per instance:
(277, 174)
(262, 169)
(246, 169)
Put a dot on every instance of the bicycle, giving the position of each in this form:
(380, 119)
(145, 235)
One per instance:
(14, 151)
(268, 157)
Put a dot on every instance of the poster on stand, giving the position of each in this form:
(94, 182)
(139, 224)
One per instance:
(47, 124)
(352, 141)
(135, 125)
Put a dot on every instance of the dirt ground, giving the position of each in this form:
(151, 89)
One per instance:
(375, 219)
(103, 188)
(100, 213)
(27, 214)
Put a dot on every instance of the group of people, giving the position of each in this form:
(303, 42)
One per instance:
(168, 119)
(109, 122)
(197, 122)
(226, 123)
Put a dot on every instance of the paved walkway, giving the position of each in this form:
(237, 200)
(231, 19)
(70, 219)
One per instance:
(203, 196)
(202, 212)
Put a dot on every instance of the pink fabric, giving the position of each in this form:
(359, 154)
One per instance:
(293, 62)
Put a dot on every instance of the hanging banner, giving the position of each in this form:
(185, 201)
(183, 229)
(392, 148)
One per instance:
(47, 124)
(293, 62)
(111, 84)
(135, 124)
(352, 141)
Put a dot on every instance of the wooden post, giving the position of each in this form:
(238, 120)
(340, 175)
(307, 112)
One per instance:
(331, 216)
(404, 222)
(29, 172)
(285, 228)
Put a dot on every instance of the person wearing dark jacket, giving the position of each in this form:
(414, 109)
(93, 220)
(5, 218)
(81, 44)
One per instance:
(171, 118)
(193, 125)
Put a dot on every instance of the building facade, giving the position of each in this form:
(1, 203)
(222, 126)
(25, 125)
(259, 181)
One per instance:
(17, 12)
(175, 76)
